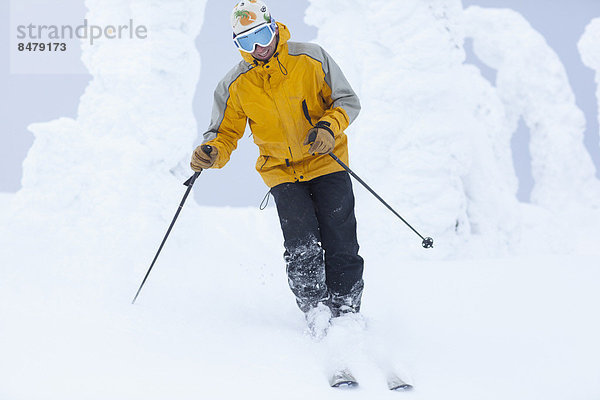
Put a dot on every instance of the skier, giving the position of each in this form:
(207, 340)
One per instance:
(281, 88)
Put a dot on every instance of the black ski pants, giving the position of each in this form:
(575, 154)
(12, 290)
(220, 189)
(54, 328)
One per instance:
(321, 249)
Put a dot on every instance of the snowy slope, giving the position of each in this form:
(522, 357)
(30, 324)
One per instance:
(216, 319)
(225, 327)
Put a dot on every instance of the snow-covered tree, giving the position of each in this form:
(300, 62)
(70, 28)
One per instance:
(433, 136)
(533, 84)
(589, 47)
(134, 125)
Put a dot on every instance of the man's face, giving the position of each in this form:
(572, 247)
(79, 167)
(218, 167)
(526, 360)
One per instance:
(265, 53)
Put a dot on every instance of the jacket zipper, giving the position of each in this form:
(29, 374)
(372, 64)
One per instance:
(288, 163)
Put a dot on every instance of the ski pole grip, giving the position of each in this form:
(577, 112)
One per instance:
(206, 148)
(312, 137)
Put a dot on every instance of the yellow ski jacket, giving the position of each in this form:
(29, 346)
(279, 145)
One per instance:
(270, 95)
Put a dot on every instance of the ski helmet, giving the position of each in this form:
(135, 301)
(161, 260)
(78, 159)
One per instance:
(248, 14)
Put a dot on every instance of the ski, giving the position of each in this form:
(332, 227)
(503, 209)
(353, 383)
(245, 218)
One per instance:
(395, 383)
(343, 379)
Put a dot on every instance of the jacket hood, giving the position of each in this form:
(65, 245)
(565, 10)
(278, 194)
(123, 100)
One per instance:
(284, 36)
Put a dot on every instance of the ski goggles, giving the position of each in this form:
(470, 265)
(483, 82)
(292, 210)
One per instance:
(262, 35)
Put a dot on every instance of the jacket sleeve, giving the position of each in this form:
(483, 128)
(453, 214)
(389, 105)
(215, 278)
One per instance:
(228, 121)
(343, 103)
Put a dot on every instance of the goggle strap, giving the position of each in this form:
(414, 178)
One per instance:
(272, 24)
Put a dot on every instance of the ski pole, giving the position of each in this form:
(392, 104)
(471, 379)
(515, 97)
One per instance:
(427, 241)
(189, 183)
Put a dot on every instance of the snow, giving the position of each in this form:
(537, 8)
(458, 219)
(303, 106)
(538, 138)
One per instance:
(503, 307)
(433, 132)
(590, 52)
(533, 84)
(221, 324)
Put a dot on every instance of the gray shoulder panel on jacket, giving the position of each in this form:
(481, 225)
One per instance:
(221, 97)
(341, 92)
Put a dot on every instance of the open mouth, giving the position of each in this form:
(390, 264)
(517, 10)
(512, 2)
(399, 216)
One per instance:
(262, 51)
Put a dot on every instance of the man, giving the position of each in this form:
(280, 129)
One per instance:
(281, 88)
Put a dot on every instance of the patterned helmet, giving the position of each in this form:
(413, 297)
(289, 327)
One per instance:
(248, 14)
